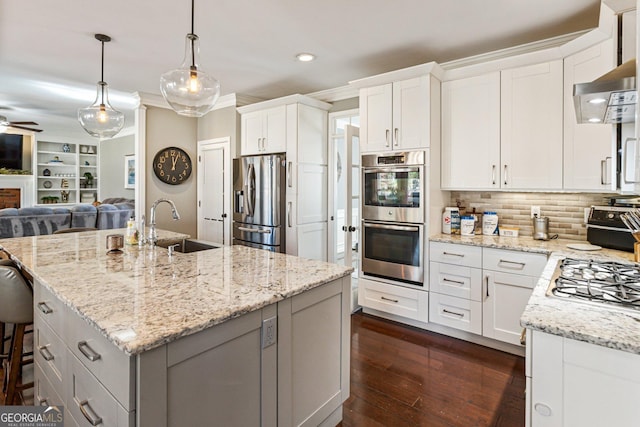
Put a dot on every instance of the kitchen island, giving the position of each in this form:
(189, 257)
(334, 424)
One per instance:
(228, 336)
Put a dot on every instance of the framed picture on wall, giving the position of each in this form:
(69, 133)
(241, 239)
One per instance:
(130, 171)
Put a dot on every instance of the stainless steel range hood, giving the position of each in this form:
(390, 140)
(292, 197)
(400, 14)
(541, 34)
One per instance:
(610, 98)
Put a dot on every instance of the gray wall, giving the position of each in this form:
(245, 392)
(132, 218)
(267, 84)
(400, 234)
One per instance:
(165, 129)
(219, 124)
(111, 179)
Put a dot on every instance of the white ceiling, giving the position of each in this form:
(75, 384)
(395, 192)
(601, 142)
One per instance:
(50, 61)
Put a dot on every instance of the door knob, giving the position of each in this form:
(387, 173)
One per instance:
(352, 228)
(224, 215)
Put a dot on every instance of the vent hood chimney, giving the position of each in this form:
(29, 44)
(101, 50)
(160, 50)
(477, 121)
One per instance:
(610, 98)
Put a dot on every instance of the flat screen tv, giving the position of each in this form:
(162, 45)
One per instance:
(10, 151)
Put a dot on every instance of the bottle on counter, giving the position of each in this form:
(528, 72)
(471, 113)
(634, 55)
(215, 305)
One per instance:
(467, 225)
(455, 221)
(447, 218)
(490, 223)
(132, 232)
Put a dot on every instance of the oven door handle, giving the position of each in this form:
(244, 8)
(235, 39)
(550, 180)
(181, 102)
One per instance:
(392, 227)
(391, 169)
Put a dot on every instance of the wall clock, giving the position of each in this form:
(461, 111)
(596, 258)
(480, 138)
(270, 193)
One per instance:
(172, 165)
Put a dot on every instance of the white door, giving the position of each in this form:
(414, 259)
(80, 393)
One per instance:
(345, 200)
(214, 188)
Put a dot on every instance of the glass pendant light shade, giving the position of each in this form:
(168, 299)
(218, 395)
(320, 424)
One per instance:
(100, 119)
(189, 90)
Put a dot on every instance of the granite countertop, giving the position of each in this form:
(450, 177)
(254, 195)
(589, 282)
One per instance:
(592, 323)
(142, 298)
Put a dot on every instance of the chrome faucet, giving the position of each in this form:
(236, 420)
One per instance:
(153, 236)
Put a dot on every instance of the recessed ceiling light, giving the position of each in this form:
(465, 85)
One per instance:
(305, 57)
(594, 120)
(597, 101)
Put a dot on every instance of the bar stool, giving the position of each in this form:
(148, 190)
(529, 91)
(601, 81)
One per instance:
(16, 308)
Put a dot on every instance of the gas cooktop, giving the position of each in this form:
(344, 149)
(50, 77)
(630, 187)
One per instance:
(606, 283)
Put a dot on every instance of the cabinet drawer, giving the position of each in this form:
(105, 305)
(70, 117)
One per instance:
(455, 280)
(110, 365)
(49, 352)
(451, 253)
(456, 312)
(516, 262)
(392, 299)
(88, 401)
(44, 393)
(51, 308)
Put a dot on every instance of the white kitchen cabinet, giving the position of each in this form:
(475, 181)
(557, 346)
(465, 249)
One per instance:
(394, 299)
(510, 277)
(264, 131)
(397, 116)
(589, 149)
(503, 130)
(481, 290)
(531, 127)
(471, 132)
(575, 383)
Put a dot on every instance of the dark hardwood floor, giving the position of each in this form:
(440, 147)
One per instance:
(405, 376)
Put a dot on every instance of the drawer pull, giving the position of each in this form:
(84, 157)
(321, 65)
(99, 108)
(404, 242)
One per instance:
(389, 299)
(89, 413)
(453, 254)
(460, 315)
(516, 265)
(46, 354)
(44, 308)
(457, 282)
(88, 352)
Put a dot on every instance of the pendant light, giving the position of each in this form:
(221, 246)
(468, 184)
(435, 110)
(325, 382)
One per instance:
(189, 90)
(100, 119)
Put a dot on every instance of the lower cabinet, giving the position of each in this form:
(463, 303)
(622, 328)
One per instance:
(481, 290)
(574, 383)
(286, 364)
(394, 299)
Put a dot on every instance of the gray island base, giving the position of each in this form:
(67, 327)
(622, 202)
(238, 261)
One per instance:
(228, 336)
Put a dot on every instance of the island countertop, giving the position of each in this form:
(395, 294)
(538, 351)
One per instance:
(592, 323)
(142, 298)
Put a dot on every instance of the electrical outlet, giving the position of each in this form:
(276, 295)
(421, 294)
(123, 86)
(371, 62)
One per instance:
(535, 211)
(269, 331)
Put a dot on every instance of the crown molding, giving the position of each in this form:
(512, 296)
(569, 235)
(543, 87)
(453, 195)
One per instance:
(336, 94)
(285, 100)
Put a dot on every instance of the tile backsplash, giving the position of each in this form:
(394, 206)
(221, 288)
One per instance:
(565, 210)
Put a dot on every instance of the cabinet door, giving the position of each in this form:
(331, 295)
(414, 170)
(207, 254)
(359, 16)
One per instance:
(471, 132)
(275, 130)
(531, 127)
(505, 298)
(588, 148)
(251, 133)
(375, 118)
(410, 114)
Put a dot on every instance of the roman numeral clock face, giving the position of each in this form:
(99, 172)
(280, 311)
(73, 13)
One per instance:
(172, 165)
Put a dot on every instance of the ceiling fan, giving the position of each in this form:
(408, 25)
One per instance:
(18, 125)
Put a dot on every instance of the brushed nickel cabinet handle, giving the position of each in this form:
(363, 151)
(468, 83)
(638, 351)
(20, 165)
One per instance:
(89, 413)
(460, 315)
(289, 221)
(46, 354)
(44, 308)
(493, 174)
(505, 174)
(389, 299)
(387, 132)
(457, 282)
(395, 136)
(88, 352)
(453, 254)
(289, 183)
(517, 265)
(486, 283)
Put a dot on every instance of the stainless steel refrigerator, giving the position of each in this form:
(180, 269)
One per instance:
(259, 201)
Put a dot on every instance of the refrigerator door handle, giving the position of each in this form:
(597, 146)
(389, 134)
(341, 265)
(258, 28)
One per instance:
(251, 190)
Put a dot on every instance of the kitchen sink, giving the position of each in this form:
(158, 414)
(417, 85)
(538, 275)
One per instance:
(190, 245)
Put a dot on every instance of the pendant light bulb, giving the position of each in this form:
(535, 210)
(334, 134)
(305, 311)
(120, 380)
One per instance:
(100, 119)
(190, 91)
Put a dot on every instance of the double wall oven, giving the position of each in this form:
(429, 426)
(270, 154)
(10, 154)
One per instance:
(393, 216)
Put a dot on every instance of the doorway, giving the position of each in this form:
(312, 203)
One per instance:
(344, 190)
(214, 189)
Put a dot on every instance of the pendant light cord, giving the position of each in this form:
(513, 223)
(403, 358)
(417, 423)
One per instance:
(193, 53)
(102, 74)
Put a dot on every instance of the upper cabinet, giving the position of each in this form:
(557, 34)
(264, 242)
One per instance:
(589, 149)
(264, 131)
(503, 130)
(399, 111)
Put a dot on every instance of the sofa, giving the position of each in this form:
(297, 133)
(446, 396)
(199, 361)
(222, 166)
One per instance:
(35, 221)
